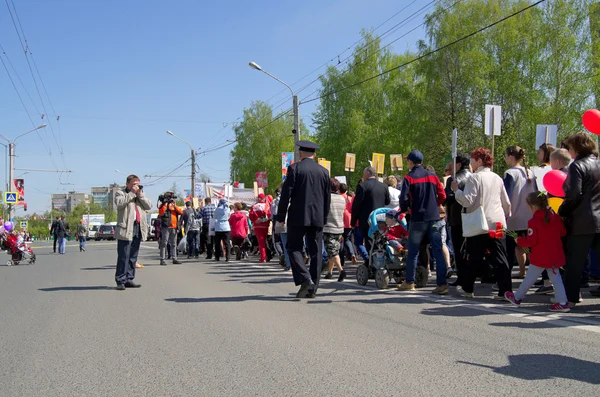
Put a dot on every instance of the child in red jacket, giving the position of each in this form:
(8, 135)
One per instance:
(544, 234)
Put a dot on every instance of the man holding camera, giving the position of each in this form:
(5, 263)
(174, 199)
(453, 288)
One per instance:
(168, 211)
(131, 230)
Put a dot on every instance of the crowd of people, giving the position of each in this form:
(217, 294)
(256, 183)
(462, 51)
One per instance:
(476, 223)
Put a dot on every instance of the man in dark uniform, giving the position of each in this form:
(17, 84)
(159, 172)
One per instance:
(307, 190)
(53, 232)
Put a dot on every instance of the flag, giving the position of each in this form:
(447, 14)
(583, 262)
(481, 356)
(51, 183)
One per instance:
(261, 179)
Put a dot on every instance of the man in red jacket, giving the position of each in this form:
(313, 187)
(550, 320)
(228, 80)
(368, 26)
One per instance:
(423, 194)
(260, 215)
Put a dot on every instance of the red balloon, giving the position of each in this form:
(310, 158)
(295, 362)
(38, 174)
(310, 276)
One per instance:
(591, 121)
(554, 181)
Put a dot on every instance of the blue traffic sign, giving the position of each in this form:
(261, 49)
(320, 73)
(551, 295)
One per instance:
(10, 197)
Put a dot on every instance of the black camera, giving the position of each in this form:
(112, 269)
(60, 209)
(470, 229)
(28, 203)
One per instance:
(167, 197)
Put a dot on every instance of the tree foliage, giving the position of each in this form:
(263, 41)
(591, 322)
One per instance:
(261, 137)
(537, 66)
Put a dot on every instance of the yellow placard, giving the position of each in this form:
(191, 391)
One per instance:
(350, 162)
(554, 203)
(327, 166)
(379, 162)
(195, 202)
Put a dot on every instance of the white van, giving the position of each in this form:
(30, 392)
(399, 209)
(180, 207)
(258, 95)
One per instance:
(93, 229)
(151, 218)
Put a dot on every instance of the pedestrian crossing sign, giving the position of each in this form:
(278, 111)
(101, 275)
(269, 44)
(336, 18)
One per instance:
(10, 197)
(23, 224)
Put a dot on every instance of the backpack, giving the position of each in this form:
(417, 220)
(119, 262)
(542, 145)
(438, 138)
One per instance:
(196, 222)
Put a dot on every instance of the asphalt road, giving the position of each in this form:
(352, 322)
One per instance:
(235, 329)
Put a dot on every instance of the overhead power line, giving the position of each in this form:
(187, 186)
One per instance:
(17, 91)
(250, 134)
(427, 53)
(20, 80)
(27, 53)
(363, 48)
(337, 56)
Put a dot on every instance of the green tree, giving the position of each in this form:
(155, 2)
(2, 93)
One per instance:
(261, 137)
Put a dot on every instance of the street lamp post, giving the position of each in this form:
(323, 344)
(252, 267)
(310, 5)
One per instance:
(11, 169)
(193, 154)
(295, 106)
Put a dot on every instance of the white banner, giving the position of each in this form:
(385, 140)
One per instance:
(493, 120)
(216, 191)
(545, 133)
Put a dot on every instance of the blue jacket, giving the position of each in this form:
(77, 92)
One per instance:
(422, 193)
(222, 217)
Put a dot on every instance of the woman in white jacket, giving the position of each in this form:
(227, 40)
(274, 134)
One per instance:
(485, 189)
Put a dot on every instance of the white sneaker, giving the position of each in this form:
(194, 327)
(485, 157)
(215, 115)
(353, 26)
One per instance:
(463, 293)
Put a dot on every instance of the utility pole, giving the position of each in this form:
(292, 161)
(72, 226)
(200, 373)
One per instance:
(296, 130)
(295, 107)
(193, 187)
(11, 168)
(594, 10)
(193, 152)
(11, 173)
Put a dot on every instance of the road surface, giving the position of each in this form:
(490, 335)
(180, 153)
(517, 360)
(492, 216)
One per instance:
(208, 328)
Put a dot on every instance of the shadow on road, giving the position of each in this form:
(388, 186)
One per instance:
(455, 311)
(546, 366)
(230, 299)
(78, 288)
(570, 319)
(536, 325)
(99, 268)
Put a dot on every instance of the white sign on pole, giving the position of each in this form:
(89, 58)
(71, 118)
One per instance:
(545, 133)
(538, 174)
(454, 142)
(493, 118)
(341, 179)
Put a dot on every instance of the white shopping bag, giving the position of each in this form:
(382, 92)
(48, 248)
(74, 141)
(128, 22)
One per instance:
(182, 247)
(211, 227)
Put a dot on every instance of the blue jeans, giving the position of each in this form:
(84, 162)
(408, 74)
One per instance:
(416, 233)
(449, 244)
(81, 243)
(359, 241)
(324, 253)
(285, 252)
(127, 254)
(62, 244)
(193, 240)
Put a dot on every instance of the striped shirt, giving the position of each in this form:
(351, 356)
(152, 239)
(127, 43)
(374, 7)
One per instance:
(335, 219)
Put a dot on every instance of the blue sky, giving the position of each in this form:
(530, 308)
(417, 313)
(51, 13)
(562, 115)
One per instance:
(120, 73)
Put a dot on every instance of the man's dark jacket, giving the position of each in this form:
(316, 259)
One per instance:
(581, 207)
(307, 191)
(370, 195)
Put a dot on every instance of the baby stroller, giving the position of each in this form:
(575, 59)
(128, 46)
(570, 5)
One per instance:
(19, 251)
(386, 259)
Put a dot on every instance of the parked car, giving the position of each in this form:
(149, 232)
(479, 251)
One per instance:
(92, 231)
(151, 218)
(106, 232)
